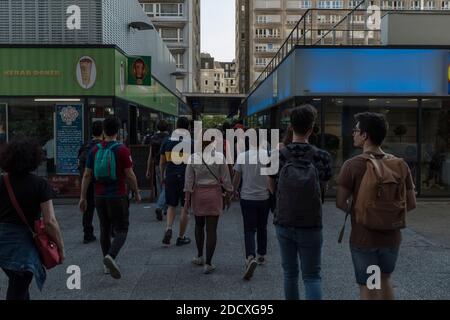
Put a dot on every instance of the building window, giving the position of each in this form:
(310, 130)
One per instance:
(445, 5)
(429, 5)
(267, 33)
(179, 60)
(321, 18)
(305, 4)
(171, 34)
(353, 3)
(357, 19)
(206, 82)
(163, 9)
(415, 5)
(330, 5)
(260, 61)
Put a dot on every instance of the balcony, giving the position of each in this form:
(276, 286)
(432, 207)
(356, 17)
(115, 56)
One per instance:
(298, 5)
(267, 4)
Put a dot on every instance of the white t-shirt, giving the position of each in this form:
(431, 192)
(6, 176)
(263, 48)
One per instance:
(254, 185)
(49, 149)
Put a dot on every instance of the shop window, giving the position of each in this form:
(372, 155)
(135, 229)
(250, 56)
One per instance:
(435, 162)
(31, 119)
(401, 140)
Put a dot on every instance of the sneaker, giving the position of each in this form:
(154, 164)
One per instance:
(261, 260)
(158, 212)
(208, 268)
(111, 264)
(89, 239)
(106, 270)
(167, 237)
(198, 261)
(250, 267)
(183, 241)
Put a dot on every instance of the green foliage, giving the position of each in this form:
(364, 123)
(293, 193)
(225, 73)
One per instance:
(213, 121)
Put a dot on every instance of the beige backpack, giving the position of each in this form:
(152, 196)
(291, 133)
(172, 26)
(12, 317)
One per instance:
(381, 201)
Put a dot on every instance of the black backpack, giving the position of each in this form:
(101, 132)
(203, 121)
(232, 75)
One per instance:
(299, 196)
(155, 143)
(83, 154)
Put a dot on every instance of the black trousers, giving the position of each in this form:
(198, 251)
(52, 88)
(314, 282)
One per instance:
(88, 216)
(113, 213)
(18, 284)
(255, 215)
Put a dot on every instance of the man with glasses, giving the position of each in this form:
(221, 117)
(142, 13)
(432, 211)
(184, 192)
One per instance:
(371, 246)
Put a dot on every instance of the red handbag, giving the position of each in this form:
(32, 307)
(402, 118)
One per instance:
(48, 250)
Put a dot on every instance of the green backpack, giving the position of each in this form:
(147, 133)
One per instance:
(105, 163)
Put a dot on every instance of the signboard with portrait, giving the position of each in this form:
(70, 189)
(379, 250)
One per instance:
(3, 123)
(69, 137)
(86, 72)
(139, 71)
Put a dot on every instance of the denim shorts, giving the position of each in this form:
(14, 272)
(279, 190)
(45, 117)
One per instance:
(174, 190)
(384, 258)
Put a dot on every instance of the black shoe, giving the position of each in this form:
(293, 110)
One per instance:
(89, 239)
(167, 237)
(183, 241)
(158, 212)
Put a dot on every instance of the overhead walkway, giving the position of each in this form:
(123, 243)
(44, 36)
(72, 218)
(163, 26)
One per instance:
(214, 103)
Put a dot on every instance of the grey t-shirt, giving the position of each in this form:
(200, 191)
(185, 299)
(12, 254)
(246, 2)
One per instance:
(254, 185)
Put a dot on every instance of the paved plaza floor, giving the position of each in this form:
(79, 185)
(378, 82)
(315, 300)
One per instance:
(151, 271)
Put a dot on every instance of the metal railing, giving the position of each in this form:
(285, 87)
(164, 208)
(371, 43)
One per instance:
(345, 32)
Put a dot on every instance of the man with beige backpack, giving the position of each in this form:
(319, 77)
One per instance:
(377, 190)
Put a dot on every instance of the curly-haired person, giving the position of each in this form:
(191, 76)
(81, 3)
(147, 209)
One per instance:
(19, 257)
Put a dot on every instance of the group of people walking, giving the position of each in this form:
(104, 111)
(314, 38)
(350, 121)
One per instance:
(374, 188)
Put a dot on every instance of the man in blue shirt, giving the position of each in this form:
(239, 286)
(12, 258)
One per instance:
(173, 179)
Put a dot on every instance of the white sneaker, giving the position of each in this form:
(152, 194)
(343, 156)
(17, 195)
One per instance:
(106, 270)
(209, 268)
(198, 261)
(250, 267)
(109, 262)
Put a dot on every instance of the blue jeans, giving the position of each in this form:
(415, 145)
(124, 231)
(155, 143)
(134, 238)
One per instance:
(255, 214)
(306, 245)
(161, 202)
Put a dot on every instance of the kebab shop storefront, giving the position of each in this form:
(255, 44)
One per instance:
(54, 94)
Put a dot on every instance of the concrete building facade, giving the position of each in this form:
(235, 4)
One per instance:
(178, 23)
(217, 77)
(263, 25)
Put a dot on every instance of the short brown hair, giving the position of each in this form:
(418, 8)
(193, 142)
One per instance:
(303, 118)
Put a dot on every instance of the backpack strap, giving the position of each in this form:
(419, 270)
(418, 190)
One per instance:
(347, 213)
(15, 204)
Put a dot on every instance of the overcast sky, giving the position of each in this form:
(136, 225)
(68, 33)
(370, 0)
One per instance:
(217, 29)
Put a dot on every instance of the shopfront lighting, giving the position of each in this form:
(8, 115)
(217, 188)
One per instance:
(57, 100)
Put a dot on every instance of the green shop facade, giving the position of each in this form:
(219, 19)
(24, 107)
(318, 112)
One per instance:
(55, 93)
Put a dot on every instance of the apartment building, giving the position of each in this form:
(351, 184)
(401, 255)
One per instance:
(263, 25)
(217, 77)
(178, 23)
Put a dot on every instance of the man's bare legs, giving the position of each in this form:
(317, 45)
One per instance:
(385, 293)
(184, 219)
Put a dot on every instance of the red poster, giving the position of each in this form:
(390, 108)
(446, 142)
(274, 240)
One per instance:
(66, 186)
